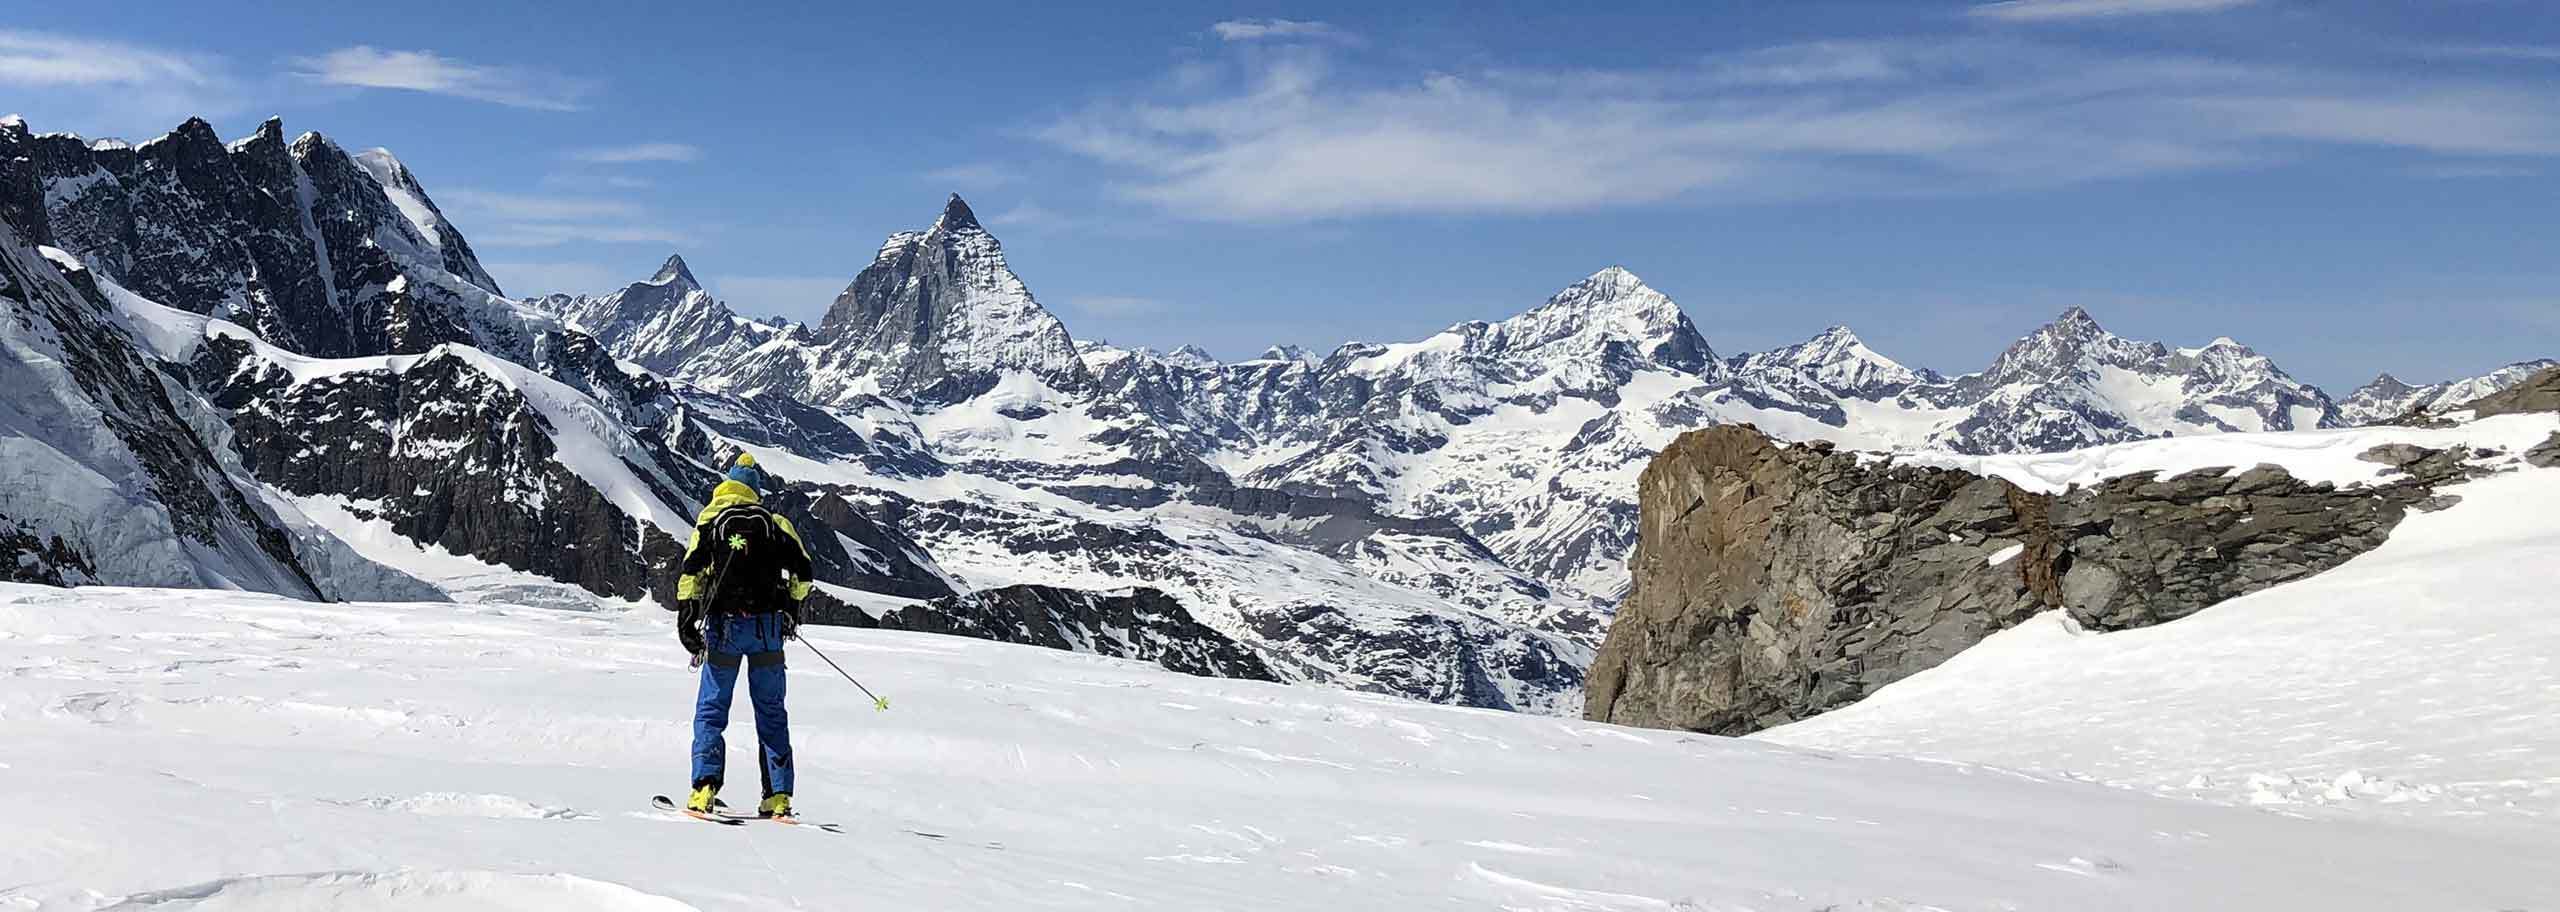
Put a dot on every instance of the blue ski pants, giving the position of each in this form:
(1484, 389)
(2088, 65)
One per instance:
(755, 641)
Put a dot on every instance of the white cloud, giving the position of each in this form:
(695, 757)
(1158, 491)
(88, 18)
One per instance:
(538, 206)
(1030, 215)
(104, 87)
(1277, 30)
(2051, 10)
(500, 219)
(2516, 52)
(364, 66)
(2471, 171)
(803, 298)
(638, 152)
(582, 180)
(976, 176)
(1300, 138)
(553, 234)
(41, 59)
(1109, 306)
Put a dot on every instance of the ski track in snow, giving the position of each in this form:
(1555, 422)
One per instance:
(173, 749)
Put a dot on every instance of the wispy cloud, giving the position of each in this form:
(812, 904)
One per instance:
(43, 59)
(365, 66)
(2053, 10)
(585, 180)
(1303, 135)
(91, 85)
(1277, 30)
(638, 152)
(501, 219)
(975, 176)
(538, 206)
(2471, 171)
(2516, 52)
(1030, 215)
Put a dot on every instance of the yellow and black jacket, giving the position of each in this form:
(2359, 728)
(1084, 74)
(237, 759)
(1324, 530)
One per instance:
(707, 551)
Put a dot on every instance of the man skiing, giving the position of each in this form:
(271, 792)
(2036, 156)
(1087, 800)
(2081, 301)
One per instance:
(744, 575)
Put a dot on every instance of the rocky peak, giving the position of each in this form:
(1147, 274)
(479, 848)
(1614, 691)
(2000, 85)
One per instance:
(938, 317)
(2382, 385)
(673, 271)
(1285, 353)
(1193, 357)
(1609, 306)
(956, 216)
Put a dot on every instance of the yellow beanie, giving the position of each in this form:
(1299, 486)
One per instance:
(746, 459)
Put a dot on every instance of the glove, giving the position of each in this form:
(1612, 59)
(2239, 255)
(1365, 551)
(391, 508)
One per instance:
(791, 621)
(689, 628)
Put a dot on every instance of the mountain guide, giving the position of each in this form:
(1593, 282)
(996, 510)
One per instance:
(738, 599)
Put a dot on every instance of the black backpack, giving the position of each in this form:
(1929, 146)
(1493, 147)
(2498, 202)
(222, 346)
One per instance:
(750, 561)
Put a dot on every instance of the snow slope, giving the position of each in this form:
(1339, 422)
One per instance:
(173, 750)
(2420, 679)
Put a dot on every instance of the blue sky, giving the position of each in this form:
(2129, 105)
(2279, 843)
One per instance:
(2348, 186)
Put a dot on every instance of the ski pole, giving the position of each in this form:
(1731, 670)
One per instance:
(877, 702)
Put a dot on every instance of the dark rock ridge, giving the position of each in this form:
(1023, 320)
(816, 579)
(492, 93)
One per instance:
(1774, 582)
(1142, 624)
(304, 244)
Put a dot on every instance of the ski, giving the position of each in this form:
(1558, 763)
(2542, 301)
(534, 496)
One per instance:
(721, 809)
(664, 803)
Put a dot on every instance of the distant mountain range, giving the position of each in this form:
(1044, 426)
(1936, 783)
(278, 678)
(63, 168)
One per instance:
(293, 374)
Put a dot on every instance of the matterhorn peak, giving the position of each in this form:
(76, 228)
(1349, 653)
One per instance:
(673, 270)
(956, 216)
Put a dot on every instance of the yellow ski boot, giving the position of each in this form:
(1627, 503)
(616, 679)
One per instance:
(777, 804)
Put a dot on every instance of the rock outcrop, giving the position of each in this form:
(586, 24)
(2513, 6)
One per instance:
(2538, 393)
(1773, 582)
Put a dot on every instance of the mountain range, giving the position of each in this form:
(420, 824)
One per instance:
(276, 365)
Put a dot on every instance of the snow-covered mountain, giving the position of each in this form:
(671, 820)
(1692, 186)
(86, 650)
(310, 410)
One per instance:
(2387, 397)
(114, 474)
(1447, 518)
(667, 322)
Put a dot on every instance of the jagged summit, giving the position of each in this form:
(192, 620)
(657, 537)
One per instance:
(270, 132)
(673, 270)
(938, 316)
(956, 216)
(1284, 353)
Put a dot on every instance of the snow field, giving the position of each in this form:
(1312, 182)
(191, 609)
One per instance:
(175, 749)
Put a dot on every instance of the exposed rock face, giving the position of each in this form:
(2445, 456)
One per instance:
(939, 317)
(1773, 582)
(1142, 624)
(2537, 393)
(316, 250)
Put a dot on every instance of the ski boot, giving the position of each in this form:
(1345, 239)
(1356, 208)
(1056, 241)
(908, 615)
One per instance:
(777, 804)
(703, 800)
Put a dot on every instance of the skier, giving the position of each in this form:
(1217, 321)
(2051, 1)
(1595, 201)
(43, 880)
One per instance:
(744, 575)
